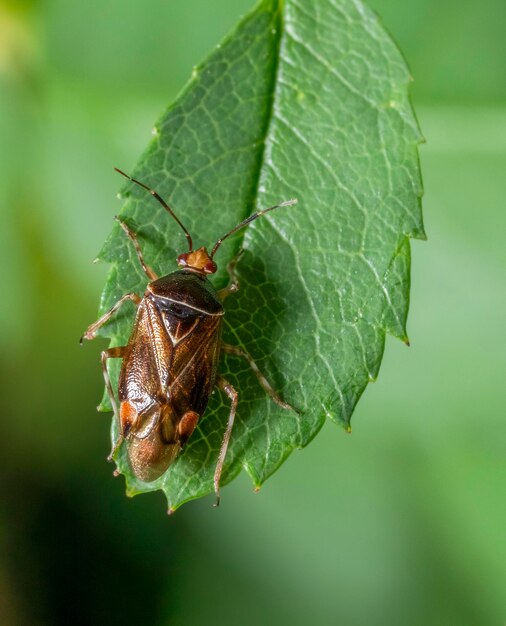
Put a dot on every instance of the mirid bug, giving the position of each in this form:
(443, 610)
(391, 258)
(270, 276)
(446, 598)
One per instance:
(170, 362)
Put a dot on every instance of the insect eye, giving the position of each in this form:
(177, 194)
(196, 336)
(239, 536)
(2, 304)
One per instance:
(210, 267)
(182, 259)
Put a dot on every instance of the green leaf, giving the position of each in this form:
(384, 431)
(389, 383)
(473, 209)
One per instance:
(305, 99)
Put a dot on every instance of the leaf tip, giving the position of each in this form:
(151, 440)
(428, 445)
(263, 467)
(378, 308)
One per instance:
(256, 488)
(171, 511)
(405, 339)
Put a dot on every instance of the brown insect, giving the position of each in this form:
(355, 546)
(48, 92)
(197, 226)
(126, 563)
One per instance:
(170, 363)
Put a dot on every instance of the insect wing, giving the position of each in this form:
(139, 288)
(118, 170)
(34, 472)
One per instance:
(145, 368)
(195, 339)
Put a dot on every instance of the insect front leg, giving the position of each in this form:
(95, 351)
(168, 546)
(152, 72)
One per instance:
(112, 353)
(232, 394)
(233, 284)
(235, 351)
(91, 331)
(133, 238)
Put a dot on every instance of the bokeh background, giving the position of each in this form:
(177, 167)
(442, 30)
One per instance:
(404, 522)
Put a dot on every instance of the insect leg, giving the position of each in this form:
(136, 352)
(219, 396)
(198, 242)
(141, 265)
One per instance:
(91, 331)
(233, 284)
(235, 351)
(112, 353)
(232, 394)
(133, 238)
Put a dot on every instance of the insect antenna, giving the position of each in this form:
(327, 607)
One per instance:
(163, 203)
(247, 221)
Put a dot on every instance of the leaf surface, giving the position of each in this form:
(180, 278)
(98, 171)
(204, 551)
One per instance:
(305, 99)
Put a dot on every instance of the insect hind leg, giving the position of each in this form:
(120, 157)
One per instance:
(225, 386)
(267, 387)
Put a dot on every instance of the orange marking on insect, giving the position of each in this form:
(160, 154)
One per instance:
(187, 424)
(128, 416)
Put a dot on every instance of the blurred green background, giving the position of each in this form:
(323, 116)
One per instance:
(401, 523)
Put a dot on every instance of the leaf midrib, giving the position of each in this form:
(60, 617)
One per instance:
(268, 122)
